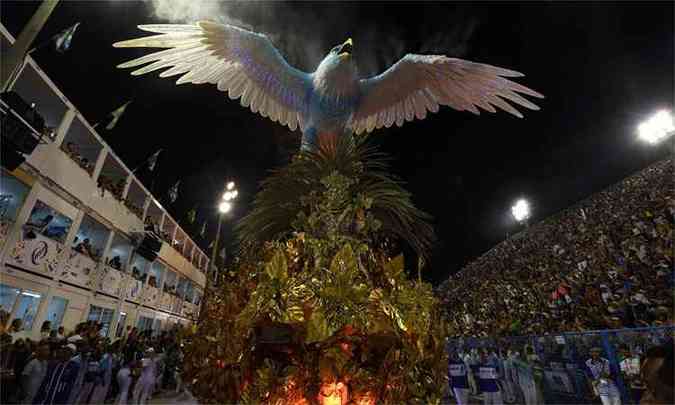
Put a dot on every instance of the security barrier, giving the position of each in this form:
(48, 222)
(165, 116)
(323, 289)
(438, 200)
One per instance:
(553, 369)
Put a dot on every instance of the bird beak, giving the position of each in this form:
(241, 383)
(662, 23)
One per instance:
(346, 48)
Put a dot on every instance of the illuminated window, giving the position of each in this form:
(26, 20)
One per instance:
(27, 308)
(47, 222)
(120, 324)
(103, 316)
(12, 194)
(144, 323)
(56, 310)
(8, 297)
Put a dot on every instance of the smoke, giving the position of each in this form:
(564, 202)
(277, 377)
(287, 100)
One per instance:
(296, 33)
(191, 11)
(454, 43)
(304, 33)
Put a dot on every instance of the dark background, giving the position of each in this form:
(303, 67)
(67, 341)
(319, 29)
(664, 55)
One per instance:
(603, 67)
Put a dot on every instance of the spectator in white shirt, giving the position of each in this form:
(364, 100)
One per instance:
(630, 369)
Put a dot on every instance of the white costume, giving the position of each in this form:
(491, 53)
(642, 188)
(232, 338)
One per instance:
(145, 386)
(605, 387)
(124, 382)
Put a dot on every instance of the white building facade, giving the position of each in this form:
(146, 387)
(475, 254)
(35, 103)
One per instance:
(73, 188)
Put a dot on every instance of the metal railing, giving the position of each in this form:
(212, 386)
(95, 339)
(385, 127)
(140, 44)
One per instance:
(556, 364)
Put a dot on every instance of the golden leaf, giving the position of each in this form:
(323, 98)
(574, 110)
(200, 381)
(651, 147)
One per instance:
(395, 266)
(277, 268)
(318, 328)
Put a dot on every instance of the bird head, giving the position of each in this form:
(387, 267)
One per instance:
(339, 61)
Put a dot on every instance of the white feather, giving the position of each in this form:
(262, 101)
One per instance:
(400, 114)
(170, 28)
(409, 109)
(165, 54)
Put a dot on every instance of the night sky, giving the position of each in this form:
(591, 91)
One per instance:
(603, 68)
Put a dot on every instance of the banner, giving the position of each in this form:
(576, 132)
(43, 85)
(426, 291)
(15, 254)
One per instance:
(134, 289)
(177, 305)
(110, 281)
(166, 301)
(188, 310)
(79, 269)
(40, 254)
(150, 295)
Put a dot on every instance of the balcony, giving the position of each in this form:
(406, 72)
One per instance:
(81, 146)
(135, 199)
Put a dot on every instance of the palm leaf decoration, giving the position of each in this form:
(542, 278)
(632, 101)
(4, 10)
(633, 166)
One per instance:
(282, 196)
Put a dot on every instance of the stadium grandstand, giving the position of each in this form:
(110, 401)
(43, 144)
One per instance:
(604, 263)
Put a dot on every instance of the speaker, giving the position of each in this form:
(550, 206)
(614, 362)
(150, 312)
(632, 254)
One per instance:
(9, 157)
(24, 109)
(17, 138)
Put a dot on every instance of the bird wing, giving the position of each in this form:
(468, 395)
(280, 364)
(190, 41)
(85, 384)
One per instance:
(243, 63)
(420, 83)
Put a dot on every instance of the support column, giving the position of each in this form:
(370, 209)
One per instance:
(63, 128)
(127, 185)
(160, 223)
(14, 57)
(146, 205)
(68, 242)
(100, 160)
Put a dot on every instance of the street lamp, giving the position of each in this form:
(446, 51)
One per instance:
(224, 207)
(657, 128)
(521, 210)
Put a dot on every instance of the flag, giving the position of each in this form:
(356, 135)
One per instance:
(116, 116)
(191, 216)
(152, 161)
(203, 231)
(173, 192)
(63, 39)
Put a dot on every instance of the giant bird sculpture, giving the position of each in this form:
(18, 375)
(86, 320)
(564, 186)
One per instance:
(333, 100)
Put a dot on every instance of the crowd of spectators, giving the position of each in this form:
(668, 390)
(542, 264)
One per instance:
(136, 273)
(84, 367)
(116, 263)
(107, 183)
(605, 263)
(73, 151)
(134, 208)
(85, 247)
(170, 288)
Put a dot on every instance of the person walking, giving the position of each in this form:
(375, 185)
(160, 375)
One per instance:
(100, 392)
(124, 382)
(459, 381)
(34, 372)
(601, 378)
(145, 385)
(488, 375)
(57, 386)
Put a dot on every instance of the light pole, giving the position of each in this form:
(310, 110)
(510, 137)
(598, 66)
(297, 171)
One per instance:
(13, 57)
(224, 207)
